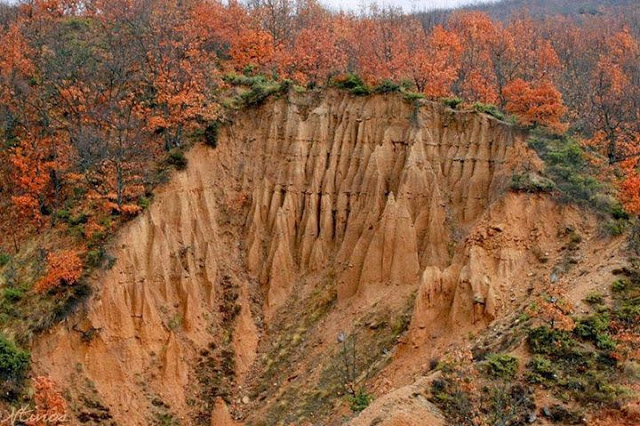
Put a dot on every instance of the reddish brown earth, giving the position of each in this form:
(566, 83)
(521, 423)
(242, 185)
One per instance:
(315, 215)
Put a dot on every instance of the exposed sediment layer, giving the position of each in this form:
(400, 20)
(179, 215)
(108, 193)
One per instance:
(376, 184)
(379, 190)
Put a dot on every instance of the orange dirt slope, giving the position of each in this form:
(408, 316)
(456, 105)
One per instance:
(316, 214)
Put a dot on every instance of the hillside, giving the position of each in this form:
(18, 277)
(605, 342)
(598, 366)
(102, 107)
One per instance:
(316, 215)
(545, 8)
(507, 10)
(267, 212)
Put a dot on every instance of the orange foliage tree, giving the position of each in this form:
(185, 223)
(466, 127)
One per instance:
(31, 176)
(530, 55)
(51, 407)
(182, 70)
(380, 45)
(553, 308)
(315, 54)
(536, 105)
(63, 268)
(478, 33)
(435, 65)
(630, 183)
(614, 108)
(253, 47)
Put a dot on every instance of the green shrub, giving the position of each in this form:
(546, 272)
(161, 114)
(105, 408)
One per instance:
(489, 109)
(502, 366)
(353, 83)
(493, 403)
(244, 80)
(144, 202)
(413, 96)
(249, 69)
(388, 86)
(4, 259)
(360, 91)
(574, 238)
(349, 82)
(619, 286)
(260, 88)
(600, 391)
(97, 238)
(531, 183)
(79, 192)
(260, 92)
(456, 403)
(548, 341)
(95, 257)
(256, 96)
(360, 400)
(605, 342)
(452, 103)
(177, 159)
(14, 364)
(560, 414)
(595, 328)
(106, 222)
(594, 298)
(592, 326)
(567, 167)
(629, 312)
(540, 370)
(211, 134)
(63, 214)
(504, 404)
(619, 213)
(175, 322)
(614, 228)
(285, 86)
(80, 219)
(13, 294)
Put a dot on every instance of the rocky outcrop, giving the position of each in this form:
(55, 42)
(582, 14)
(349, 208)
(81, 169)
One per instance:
(406, 406)
(493, 268)
(220, 415)
(386, 193)
(378, 185)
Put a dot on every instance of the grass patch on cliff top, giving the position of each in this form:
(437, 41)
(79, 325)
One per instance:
(571, 177)
(254, 90)
(492, 110)
(355, 85)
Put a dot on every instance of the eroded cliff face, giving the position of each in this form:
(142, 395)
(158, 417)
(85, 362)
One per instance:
(375, 184)
(315, 215)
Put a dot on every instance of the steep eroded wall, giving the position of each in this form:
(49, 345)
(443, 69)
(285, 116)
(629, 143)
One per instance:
(375, 189)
